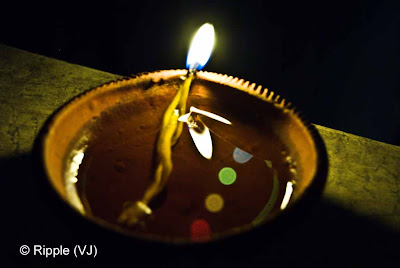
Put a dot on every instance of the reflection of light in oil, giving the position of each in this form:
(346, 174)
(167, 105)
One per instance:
(227, 175)
(288, 194)
(71, 179)
(271, 202)
(202, 139)
(269, 163)
(199, 131)
(74, 165)
(214, 203)
(241, 156)
(200, 231)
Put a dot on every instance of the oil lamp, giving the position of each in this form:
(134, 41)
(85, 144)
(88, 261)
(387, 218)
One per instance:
(182, 155)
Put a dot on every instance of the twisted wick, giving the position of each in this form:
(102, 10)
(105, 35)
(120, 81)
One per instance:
(134, 213)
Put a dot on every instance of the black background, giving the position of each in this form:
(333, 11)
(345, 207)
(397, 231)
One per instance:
(338, 62)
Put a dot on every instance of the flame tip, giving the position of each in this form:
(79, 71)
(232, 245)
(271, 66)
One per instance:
(201, 47)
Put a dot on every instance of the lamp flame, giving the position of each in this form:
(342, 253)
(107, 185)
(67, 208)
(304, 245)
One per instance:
(201, 47)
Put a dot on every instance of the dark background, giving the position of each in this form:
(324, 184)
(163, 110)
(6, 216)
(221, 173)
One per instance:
(337, 62)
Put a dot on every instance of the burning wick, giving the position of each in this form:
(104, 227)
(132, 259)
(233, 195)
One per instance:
(171, 129)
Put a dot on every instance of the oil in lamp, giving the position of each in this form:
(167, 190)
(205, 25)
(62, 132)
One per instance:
(182, 155)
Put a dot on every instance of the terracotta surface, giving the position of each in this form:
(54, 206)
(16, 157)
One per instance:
(262, 125)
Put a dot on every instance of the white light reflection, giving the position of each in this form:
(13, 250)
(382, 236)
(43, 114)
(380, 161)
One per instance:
(71, 179)
(210, 115)
(202, 139)
(199, 132)
(288, 194)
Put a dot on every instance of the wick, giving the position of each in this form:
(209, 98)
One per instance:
(171, 130)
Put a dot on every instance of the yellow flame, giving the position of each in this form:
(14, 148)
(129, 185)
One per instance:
(201, 47)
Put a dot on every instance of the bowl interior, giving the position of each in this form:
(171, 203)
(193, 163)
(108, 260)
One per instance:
(262, 123)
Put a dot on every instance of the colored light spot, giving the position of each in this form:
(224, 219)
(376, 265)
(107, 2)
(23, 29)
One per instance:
(227, 176)
(241, 156)
(214, 203)
(269, 163)
(200, 231)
